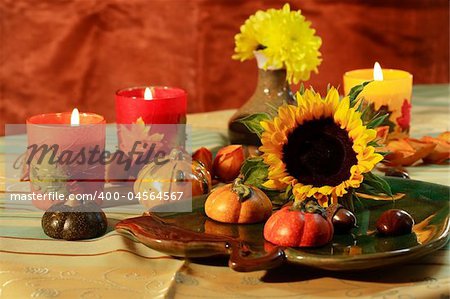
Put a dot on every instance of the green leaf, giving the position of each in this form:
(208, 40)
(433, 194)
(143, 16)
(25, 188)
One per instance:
(376, 145)
(384, 154)
(249, 164)
(252, 122)
(278, 198)
(355, 91)
(376, 121)
(257, 176)
(374, 184)
(370, 115)
(373, 143)
(288, 193)
(255, 171)
(358, 203)
(301, 89)
(363, 107)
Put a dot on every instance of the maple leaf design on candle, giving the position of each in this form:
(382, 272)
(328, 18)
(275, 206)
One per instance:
(139, 131)
(404, 120)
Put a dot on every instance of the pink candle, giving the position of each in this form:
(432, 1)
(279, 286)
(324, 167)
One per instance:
(59, 153)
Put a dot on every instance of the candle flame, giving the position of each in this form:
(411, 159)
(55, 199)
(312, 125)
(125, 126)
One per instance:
(148, 95)
(377, 72)
(75, 117)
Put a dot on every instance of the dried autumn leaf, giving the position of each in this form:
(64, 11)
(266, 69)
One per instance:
(399, 149)
(441, 152)
(425, 148)
(382, 134)
(445, 136)
(407, 151)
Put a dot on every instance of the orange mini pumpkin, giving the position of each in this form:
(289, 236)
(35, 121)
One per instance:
(238, 203)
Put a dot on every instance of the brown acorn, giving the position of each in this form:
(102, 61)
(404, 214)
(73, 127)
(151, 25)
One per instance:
(397, 172)
(395, 222)
(343, 220)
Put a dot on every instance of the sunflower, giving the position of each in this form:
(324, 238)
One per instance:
(319, 147)
(285, 38)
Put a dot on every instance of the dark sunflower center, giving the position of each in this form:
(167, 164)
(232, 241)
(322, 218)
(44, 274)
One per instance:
(319, 153)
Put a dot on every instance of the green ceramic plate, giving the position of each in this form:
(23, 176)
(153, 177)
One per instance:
(195, 235)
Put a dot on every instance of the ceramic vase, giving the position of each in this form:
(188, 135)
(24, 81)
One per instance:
(272, 90)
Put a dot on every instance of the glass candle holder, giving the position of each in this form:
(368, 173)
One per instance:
(167, 105)
(149, 120)
(64, 159)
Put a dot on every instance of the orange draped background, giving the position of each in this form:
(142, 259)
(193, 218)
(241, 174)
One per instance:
(56, 55)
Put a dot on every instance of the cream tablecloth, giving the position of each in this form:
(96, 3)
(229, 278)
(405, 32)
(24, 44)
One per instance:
(113, 266)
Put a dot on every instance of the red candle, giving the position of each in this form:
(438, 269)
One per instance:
(65, 156)
(164, 105)
(149, 119)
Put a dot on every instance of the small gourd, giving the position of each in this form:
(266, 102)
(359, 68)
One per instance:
(238, 203)
(178, 174)
(71, 220)
(303, 224)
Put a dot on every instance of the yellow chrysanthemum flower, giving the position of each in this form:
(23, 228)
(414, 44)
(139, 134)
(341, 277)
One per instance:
(319, 147)
(285, 38)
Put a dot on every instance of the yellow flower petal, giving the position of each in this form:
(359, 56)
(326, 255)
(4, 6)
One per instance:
(267, 126)
(288, 39)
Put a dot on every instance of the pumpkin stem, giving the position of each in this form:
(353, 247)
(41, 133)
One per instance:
(310, 205)
(243, 191)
